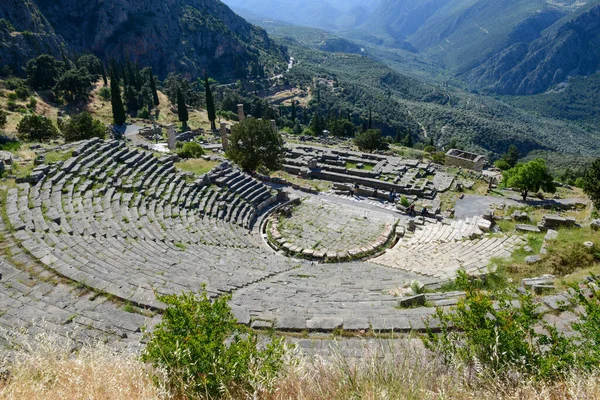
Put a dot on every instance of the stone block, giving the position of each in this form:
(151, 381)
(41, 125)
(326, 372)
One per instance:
(261, 324)
(484, 224)
(290, 323)
(527, 228)
(412, 301)
(540, 280)
(533, 259)
(551, 235)
(356, 324)
(324, 323)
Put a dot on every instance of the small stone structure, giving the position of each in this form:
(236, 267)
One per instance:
(171, 137)
(464, 159)
(241, 114)
(224, 141)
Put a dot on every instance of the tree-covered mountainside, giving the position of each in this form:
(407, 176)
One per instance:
(506, 46)
(569, 47)
(186, 36)
(357, 84)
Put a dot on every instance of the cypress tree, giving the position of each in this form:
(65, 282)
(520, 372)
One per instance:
(210, 103)
(370, 120)
(182, 111)
(153, 88)
(408, 141)
(293, 110)
(116, 102)
(316, 126)
(104, 76)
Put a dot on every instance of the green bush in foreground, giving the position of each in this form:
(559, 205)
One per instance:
(205, 352)
(190, 150)
(503, 333)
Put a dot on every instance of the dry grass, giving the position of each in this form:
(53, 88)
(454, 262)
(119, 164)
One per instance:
(400, 371)
(405, 372)
(49, 370)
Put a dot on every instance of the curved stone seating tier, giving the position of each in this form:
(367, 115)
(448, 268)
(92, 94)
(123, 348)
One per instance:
(324, 297)
(33, 301)
(441, 250)
(122, 221)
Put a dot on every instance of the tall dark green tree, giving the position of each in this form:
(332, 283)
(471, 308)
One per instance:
(370, 120)
(116, 102)
(293, 110)
(511, 156)
(210, 103)
(104, 78)
(591, 182)
(182, 110)
(316, 124)
(153, 88)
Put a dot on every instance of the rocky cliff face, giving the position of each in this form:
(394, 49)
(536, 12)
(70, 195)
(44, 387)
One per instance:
(186, 36)
(24, 34)
(570, 47)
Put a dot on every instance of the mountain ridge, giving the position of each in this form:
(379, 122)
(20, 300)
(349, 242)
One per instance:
(198, 35)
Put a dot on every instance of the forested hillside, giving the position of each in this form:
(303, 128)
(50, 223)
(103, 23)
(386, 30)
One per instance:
(186, 36)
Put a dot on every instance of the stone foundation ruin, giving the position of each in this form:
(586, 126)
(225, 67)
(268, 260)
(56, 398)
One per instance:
(464, 159)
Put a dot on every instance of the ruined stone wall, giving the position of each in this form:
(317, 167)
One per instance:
(477, 165)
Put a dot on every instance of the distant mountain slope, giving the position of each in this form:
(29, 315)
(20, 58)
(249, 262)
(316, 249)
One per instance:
(324, 14)
(569, 47)
(508, 46)
(187, 36)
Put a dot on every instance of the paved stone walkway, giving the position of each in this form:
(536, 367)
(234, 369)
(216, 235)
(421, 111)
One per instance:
(322, 225)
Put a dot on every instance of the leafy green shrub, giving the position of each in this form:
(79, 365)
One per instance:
(36, 128)
(144, 113)
(11, 105)
(12, 96)
(565, 258)
(404, 201)
(205, 352)
(439, 157)
(104, 93)
(588, 326)
(3, 118)
(370, 140)
(580, 182)
(81, 127)
(429, 149)
(13, 83)
(32, 103)
(502, 165)
(499, 337)
(191, 150)
(226, 114)
(22, 93)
